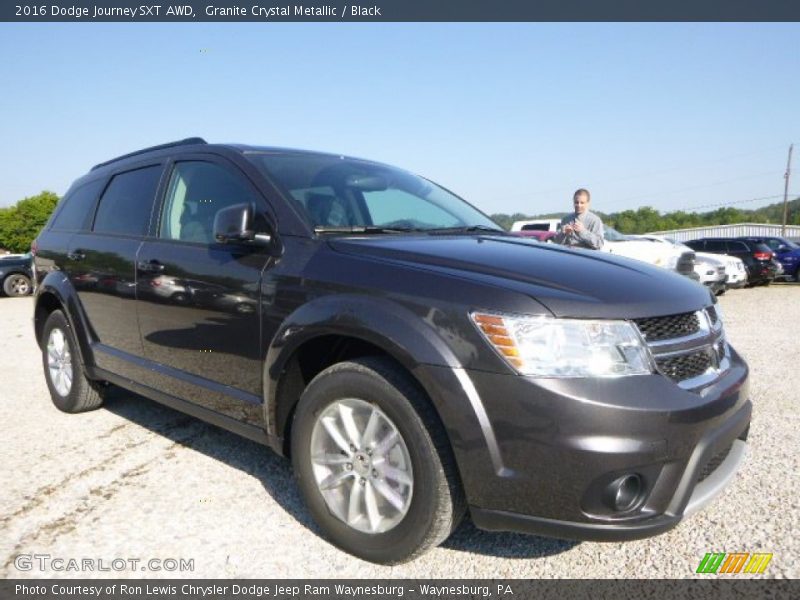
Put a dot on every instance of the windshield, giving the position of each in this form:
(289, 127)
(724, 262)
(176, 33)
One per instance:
(778, 242)
(612, 235)
(340, 194)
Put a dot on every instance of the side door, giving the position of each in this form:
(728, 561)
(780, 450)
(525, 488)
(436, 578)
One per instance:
(199, 300)
(101, 265)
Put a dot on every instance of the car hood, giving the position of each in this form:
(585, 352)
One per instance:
(569, 283)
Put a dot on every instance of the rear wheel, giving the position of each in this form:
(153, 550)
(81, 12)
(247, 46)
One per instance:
(17, 284)
(373, 462)
(70, 390)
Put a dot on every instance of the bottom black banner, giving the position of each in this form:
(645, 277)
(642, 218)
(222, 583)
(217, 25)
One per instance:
(414, 589)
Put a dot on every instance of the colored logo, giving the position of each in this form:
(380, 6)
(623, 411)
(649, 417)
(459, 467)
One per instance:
(734, 562)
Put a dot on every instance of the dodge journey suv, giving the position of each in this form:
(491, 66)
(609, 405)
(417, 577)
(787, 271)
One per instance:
(413, 360)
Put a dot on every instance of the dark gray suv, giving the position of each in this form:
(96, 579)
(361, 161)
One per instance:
(414, 360)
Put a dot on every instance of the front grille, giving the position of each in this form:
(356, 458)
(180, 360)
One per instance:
(663, 328)
(685, 366)
(714, 463)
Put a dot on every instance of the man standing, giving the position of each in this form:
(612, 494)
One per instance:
(582, 229)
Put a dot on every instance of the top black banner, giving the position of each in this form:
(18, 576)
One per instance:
(267, 11)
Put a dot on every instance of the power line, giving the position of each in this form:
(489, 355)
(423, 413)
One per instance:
(660, 171)
(734, 202)
(691, 188)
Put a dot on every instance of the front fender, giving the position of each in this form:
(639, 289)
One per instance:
(404, 335)
(416, 342)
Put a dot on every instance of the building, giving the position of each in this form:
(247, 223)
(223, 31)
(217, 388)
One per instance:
(735, 230)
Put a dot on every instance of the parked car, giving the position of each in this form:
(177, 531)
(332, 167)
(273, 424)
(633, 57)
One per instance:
(411, 358)
(712, 274)
(666, 256)
(542, 236)
(16, 275)
(756, 257)
(786, 252)
(735, 272)
(551, 225)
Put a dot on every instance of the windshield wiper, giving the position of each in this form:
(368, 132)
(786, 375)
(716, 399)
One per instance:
(466, 229)
(362, 229)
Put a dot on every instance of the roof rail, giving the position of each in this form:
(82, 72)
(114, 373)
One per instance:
(186, 142)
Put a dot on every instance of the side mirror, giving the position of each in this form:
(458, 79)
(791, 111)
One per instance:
(234, 224)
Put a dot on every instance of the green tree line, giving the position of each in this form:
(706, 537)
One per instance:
(646, 218)
(21, 223)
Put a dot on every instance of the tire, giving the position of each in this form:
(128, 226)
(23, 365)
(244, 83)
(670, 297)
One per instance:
(70, 390)
(412, 487)
(17, 284)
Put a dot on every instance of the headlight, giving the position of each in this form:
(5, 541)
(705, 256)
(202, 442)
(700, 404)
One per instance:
(550, 347)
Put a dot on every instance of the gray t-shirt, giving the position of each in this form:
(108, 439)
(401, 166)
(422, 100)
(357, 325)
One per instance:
(590, 237)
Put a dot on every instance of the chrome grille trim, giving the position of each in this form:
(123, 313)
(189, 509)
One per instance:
(708, 340)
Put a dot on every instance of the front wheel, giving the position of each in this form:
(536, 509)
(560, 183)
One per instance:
(373, 462)
(17, 284)
(69, 387)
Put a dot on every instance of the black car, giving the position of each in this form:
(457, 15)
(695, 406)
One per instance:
(414, 360)
(757, 257)
(16, 274)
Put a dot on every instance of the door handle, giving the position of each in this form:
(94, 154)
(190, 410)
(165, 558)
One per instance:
(151, 266)
(76, 255)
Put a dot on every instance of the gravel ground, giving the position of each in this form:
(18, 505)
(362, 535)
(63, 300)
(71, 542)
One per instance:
(135, 480)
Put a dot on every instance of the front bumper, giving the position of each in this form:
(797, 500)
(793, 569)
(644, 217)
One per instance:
(537, 455)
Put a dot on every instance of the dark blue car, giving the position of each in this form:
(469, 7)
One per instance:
(16, 275)
(786, 252)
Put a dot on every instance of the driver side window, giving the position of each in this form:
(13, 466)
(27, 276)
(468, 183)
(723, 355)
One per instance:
(197, 191)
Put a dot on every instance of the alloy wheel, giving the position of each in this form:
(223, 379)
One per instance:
(361, 466)
(59, 362)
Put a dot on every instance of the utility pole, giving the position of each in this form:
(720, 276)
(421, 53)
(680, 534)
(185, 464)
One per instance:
(786, 191)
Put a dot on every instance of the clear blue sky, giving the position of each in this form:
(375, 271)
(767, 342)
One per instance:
(513, 117)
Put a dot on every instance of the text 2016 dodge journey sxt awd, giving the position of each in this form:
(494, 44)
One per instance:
(413, 359)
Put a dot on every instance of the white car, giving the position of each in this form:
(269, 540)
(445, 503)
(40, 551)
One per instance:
(734, 267)
(661, 255)
(711, 271)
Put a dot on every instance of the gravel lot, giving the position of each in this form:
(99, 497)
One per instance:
(135, 480)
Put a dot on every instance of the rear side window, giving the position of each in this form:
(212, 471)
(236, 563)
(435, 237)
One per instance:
(738, 247)
(716, 246)
(695, 245)
(127, 202)
(76, 212)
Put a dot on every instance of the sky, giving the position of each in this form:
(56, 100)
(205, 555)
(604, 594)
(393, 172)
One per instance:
(511, 116)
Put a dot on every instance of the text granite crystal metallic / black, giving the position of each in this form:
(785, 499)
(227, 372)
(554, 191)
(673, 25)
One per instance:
(411, 358)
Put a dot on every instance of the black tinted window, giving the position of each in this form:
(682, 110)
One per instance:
(737, 247)
(77, 207)
(695, 245)
(716, 246)
(197, 191)
(126, 204)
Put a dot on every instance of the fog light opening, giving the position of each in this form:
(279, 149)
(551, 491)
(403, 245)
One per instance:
(625, 492)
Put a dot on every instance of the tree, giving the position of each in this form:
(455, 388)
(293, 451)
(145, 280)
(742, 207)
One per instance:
(21, 223)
